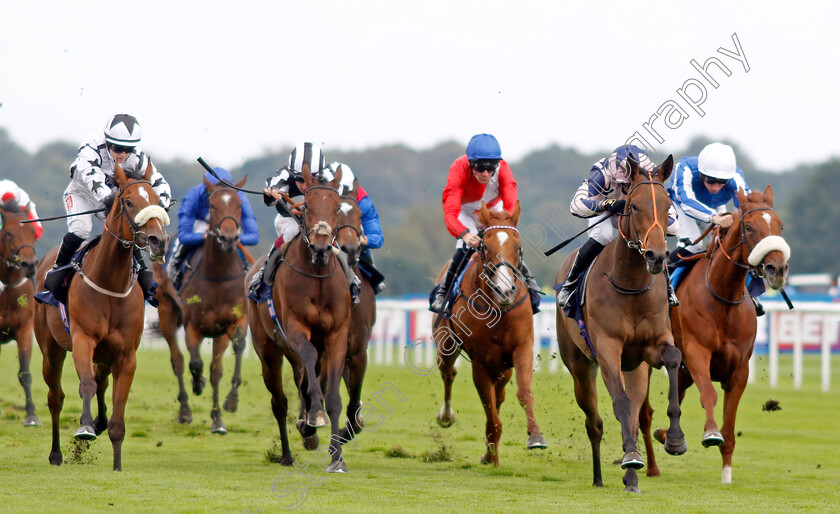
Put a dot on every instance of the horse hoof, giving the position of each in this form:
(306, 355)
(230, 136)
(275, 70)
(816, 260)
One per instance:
(632, 489)
(219, 428)
(537, 441)
(100, 427)
(676, 446)
(85, 433)
(231, 403)
(445, 422)
(32, 421)
(310, 442)
(659, 435)
(185, 415)
(56, 459)
(337, 467)
(317, 419)
(445, 417)
(712, 438)
(198, 386)
(632, 460)
(652, 472)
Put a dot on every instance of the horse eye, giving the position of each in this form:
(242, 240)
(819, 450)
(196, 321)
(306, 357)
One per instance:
(748, 228)
(128, 202)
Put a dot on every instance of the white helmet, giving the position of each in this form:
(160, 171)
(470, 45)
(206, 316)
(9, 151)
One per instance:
(123, 130)
(717, 161)
(306, 153)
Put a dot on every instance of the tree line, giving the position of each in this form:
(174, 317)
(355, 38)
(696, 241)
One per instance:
(406, 184)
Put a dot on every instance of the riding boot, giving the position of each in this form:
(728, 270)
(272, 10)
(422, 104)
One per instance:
(145, 277)
(176, 266)
(263, 280)
(461, 254)
(672, 295)
(759, 309)
(352, 279)
(585, 256)
(533, 288)
(69, 245)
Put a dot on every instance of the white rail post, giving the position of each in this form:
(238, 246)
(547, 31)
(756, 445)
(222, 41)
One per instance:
(773, 351)
(797, 351)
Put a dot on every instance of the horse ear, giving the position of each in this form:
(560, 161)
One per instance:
(632, 166)
(484, 214)
(149, 171)
(242, 182)
(336, 181)
(119, 174)
(307, 174)
(742, 198)
(207, 184)
(768, 195)
(666, 168)
(516, 211)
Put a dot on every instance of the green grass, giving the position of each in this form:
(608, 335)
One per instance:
(784, 460)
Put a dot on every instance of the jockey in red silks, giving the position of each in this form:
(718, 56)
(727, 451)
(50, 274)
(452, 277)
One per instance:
(480, 175)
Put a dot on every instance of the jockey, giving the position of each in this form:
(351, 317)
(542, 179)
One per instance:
(700, 188)
(92, 186)
(289, 179)
(193, 219)
(480, 175)
(602, 194)
(13, 196)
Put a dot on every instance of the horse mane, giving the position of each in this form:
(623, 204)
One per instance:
(11, 206)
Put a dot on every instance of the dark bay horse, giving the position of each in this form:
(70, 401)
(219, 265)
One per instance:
(17, 305)
(312, 304)
(106, 310)
(626, 314)
(211, 304)
(715, 323)
(493, 322)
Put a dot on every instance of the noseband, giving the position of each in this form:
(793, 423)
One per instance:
(132, 223)
(216, 230)
(641, 244)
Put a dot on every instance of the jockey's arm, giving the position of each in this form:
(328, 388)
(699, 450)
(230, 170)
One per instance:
(187, 217)
(371, 226)
(250, 228)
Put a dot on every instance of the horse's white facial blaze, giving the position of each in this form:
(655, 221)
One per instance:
(726, 475)
(345, 208)
(144, 194)
(226, 198)
(504, 281)
(502, 237)
(767, 218)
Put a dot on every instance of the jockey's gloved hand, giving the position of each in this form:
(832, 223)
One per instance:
(614, 206)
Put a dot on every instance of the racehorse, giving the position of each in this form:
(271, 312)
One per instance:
(715, 323)
(493, 322)
(105, 311)
(626, 314)
(312, 304)
(17, 266)
(212, 304)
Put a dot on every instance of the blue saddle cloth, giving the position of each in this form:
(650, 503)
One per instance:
(454, 291)
(575, 306)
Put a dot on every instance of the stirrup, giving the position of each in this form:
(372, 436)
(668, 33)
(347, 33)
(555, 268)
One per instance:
(439, 303)
(564, 296)
(673, 301)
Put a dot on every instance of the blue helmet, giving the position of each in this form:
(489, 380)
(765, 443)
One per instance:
(223, 173)
(483, 146)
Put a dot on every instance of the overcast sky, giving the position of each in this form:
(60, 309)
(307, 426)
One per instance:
(230, 80)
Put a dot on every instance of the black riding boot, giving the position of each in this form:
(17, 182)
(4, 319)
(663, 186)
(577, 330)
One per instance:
(145, 277)
(586, 255)
(533, 288)
(176, 271)
(759, 309)
(672, 295)
(461, 254)
(263, 280)
(69, 246)
(354, 281)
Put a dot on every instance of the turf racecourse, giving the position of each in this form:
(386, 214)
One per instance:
(784, 460)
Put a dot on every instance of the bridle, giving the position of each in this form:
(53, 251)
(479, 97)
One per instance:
(354, 228)
(640, 244)
(13, 259)
(321, 227)
(216, 230)
(491, 268)
(135, 228)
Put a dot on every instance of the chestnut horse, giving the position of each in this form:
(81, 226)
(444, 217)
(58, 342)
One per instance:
(494, 323)
(212, 304)
(17, 266)
(626, 314)
(105, 310)
(312, 304)
(715, 323)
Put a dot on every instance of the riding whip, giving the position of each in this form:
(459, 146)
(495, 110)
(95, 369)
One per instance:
(567, 241)
(234, 186)
(51, 218)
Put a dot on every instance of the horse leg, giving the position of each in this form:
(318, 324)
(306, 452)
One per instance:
(193, 339)
(52, 367)
(354, 376)
(523, 363)
(220, 344)
(733, 389)
(169, 327)
(311, 441)
(310, 386)
(698, 359)
(684, 381)
(622, 406)
(101, 423)
(272, 372)
(24, 342)
(123, 377)
(493, 427)
(335, 355)
(237, 336)
(645, 422)
(446, 358)
(83, 346)
(636, 383)
(674, 437)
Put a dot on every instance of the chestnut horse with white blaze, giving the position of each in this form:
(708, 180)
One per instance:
(105, 308)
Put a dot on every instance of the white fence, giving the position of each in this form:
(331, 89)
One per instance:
(810, 327)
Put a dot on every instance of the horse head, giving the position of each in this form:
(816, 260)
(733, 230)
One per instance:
(645, 216)
(225, 214)
(761, 237)
(138, 214)
(17, 240)
(500, 251)
(349, 231)
(320, 215)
